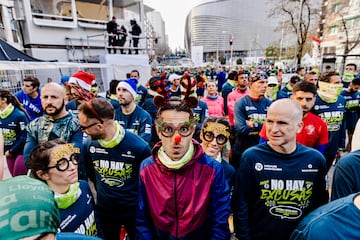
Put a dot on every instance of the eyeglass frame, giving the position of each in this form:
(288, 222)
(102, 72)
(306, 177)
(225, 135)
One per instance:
(213, 136)
(83, 128)
(174, 129)
(72, 158)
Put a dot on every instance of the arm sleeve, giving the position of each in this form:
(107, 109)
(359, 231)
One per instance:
(18, 95)
(321, 148)
(30, 143)
(240, 118)
(77, 139)
(18, 146)
(230, 107)
(145, 128)
(342, 136)
(88, 164)
(108, 27)
(219, 211)
(343, 182)
(144, 224)
(225, 96)
(203, 115)
(241, 201)
(321, 194)
(324, 134)
(355, 144)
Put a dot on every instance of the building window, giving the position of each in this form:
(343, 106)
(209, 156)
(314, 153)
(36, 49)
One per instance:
(13, 25)
(51, 9)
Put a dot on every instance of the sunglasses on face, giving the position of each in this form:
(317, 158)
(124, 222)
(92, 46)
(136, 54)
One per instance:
(64, 163)
(209, 137)
(184, 130)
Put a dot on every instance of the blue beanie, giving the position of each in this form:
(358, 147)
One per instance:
(130, 85)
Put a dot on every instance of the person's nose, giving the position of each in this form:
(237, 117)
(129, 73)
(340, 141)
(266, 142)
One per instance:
(72, 165)
(176, 138)
(303, 103)
(274, 127)
(213, 141)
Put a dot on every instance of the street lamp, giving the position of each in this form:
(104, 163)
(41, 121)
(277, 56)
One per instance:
(231, 48)
(217, 43)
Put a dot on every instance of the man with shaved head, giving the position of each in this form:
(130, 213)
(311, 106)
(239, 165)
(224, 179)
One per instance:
(56, 121)
(278, 181)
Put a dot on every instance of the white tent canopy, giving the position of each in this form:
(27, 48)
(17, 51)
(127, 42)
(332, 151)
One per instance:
(22, 65)
(307, 60)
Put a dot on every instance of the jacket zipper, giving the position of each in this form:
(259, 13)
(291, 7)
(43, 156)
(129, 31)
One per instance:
(176, 210)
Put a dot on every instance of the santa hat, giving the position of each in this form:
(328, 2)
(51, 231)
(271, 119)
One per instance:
(130, 85)
(84, 79)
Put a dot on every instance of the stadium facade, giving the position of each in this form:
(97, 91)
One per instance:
(212, 24)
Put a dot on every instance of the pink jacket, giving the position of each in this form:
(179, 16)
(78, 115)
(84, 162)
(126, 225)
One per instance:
(215, 106)
(231, 99)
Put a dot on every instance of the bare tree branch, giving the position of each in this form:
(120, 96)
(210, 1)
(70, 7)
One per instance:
(299, 15)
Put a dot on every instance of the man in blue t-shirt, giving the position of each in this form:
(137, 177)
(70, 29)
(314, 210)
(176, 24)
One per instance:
(29, 97)
(113, 156)
(249, 116)
(55, 123)
(141, 90)
(221, 78)
(339, 219)
(346, 178)
(280, 181)
(330, 107)
(130, 116)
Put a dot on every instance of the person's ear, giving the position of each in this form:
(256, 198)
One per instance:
(157, 127)
(300, 126)
(42, 175)
(201, 136)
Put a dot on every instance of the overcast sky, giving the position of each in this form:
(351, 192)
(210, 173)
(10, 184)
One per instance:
(174, 13)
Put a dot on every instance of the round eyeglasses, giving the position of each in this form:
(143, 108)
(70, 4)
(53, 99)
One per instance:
(184, 130)
(64, 163)
(209, 137)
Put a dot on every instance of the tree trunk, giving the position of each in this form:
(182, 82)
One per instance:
(343, 61)
(299, 54)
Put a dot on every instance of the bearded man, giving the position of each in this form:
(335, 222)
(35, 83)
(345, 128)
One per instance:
(55, 123)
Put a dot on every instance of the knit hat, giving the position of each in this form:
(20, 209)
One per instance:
(29, 208)
(130, 85)
(272, 80)
(64, 79)
(243, 71)
(84, 79)
(257, 76)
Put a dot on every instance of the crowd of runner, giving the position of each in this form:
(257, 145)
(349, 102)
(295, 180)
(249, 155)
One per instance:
(201, 153)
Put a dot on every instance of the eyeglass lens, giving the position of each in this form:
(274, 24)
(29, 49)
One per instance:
(220, 139)
(64, 163)
(183, 130)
